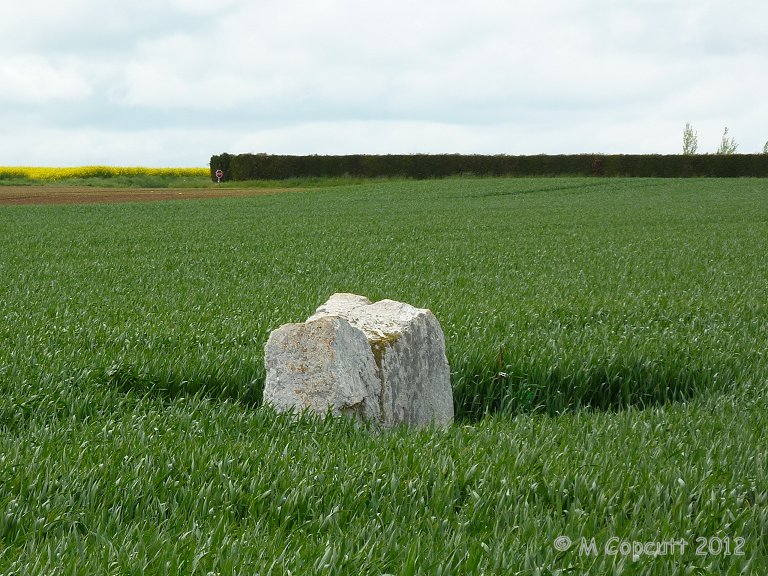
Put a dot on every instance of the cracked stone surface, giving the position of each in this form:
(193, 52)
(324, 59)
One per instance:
(384, 362)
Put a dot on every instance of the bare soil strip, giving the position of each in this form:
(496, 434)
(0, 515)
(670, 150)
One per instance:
(88, 195)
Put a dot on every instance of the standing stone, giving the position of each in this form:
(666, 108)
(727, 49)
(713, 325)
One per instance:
(383, 362)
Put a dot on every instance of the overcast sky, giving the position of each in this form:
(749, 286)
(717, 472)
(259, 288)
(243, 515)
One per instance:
(171, 82)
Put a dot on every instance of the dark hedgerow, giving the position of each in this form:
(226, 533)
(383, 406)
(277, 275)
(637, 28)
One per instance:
(419, 166)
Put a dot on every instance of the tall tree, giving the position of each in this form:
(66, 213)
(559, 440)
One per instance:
(690, 140)
(727, 145)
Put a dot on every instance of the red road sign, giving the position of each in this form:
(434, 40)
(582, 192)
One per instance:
(219, 173)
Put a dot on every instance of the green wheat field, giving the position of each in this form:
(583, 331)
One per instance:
(608, 342)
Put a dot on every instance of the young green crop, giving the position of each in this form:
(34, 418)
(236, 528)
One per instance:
(607, 344)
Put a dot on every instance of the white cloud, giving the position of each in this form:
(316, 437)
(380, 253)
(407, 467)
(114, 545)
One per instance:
(35, 80)
(208, 8)
(88, 146)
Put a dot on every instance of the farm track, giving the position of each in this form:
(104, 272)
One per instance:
(92, 195)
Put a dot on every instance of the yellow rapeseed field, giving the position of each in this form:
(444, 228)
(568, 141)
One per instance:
(52, 174)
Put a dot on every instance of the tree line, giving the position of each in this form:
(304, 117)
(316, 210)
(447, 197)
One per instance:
(728, 144)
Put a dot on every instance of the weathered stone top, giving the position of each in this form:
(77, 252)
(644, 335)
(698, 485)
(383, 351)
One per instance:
(379, 320)
(339, 305)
